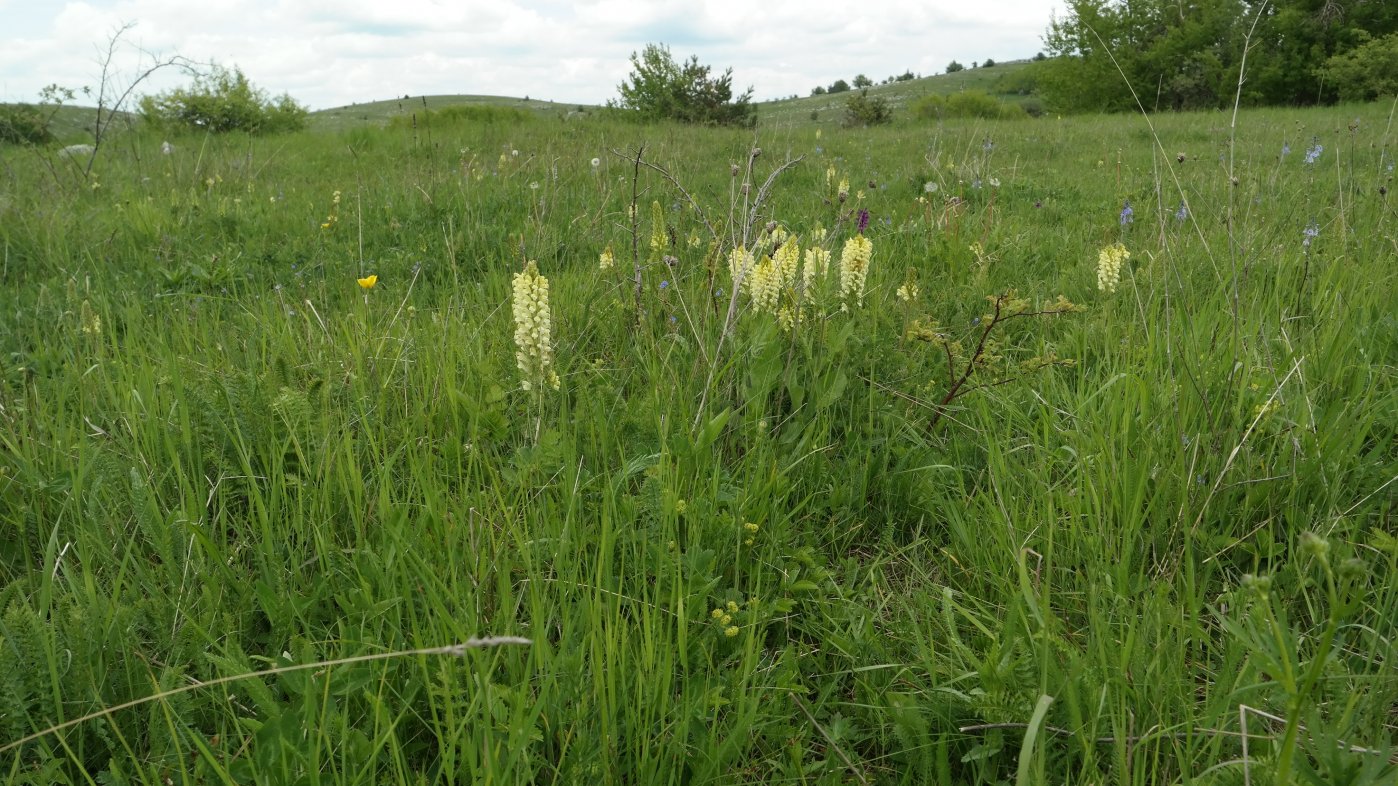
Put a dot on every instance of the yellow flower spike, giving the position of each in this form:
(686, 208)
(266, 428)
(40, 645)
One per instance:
(1109, 262)
(854, 269)
(533, 329)
(368, 282)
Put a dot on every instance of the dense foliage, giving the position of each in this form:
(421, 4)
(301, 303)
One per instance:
(23, 124)
(1187, 55)
(659, 88)
(220, 101)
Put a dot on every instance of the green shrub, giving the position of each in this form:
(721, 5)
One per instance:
(954, 66)
(660, 88)
(968, 103)
(23, 124)
(861, 110)
(1366, 72)
(223, 101)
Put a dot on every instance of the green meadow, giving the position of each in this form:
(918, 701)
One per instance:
(281, 456)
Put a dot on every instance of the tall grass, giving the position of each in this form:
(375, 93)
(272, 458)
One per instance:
(758, 556)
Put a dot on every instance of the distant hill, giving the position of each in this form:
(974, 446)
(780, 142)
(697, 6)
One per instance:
(73, 123)
(794, 111)
(831, 107)
(381, 112)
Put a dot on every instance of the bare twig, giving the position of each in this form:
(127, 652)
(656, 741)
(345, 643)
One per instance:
(453, 650)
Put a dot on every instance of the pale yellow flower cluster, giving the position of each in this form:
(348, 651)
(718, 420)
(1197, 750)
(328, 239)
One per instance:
(659, 240)
(764, 285)
(607, 259)
(816, 268)
(788, 260)
(740, 265)
(1109, 262)
(854, 269)
(91, 321)
(533, 328)
(789, 282)
(908, 292)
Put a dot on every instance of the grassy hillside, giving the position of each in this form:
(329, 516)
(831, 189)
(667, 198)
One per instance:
(1071, 461)
(830, 109)
(379, 113)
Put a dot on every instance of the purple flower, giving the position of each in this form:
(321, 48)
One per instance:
(1286, 148)
(1314, 152)
(1182, 213)
(863, 220)
(1312, 232)
(1127, 213)
(664, 284)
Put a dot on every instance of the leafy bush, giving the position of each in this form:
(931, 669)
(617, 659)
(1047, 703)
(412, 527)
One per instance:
(818, 90)
(1019, 82)
(968, 103)
(861, 110)
(1366, 72)
(861, 81)
(954, 66)
(988, 63)
(223, 101)
(23, 124)
(662, 89)
(840, 86)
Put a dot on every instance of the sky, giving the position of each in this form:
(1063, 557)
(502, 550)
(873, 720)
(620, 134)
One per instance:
(328, 53)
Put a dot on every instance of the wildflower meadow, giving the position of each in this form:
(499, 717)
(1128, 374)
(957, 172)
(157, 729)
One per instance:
(562, 449)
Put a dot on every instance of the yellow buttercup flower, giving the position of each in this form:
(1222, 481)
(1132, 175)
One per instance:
(368, 282)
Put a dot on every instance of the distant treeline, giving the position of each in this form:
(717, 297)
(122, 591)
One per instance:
(1186, 54)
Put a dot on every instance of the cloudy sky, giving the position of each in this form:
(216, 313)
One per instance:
(328, 53)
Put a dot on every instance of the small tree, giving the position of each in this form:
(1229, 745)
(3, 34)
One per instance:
(954, 66)
(818, 90)
(988, 63)
(660, 88)
(23, 124)
(840, 86)
(861, 81)
(861, 110)
(223, 101)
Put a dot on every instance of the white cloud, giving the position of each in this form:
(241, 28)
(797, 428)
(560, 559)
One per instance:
(334, 52)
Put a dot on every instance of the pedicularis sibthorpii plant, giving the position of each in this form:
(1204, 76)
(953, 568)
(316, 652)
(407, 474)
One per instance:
(901, 455)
